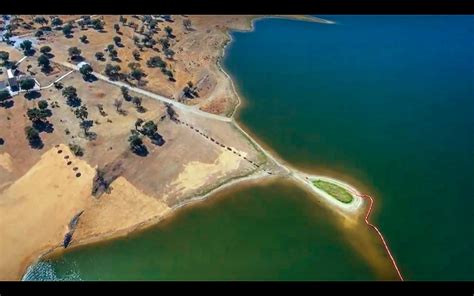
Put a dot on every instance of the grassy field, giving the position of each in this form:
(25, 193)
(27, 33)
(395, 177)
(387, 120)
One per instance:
(334, 190)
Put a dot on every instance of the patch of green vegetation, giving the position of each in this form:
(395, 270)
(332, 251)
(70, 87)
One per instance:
(334, 190)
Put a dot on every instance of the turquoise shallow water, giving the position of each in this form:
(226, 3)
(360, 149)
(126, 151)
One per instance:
(386, 100)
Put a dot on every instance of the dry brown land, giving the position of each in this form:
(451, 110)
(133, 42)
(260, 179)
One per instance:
(40, 192)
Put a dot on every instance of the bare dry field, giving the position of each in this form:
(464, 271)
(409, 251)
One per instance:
(187, 165)
(41, 189)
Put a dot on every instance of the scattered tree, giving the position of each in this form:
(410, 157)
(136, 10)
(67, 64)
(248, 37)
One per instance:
(138, 123)
(83, 39)
(45, 49)
(74, 52)
(112, 71)
(43, 105)
(81, 113)
(169, 53)
(69, 92)
(136, 143)
(32, 135)
(40, 20)
(4, 95)
(86, 70)
(118, 104)
(149, 129)
(76, 149)
(117, 40)
(99, 56)
(156, 61)
(137, 73)
(67, 30)
(117, 27)
(44, 62)
(4, 56)
(137, 101)
(165, 43)
(168, 31)
(86, 125)
(136, 55)
(97, 24)
(56, 22)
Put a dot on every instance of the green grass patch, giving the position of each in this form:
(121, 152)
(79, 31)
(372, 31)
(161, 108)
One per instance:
(334, 190)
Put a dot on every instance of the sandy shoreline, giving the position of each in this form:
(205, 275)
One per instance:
(257, 175)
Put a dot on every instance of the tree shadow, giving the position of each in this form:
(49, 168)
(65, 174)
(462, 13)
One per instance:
(7, 104)
(32, 95)
(140, 150)
(141, 109)
(90, 78)
(74, 101)
(44, 126)
(30, 52)
(36, 143)
(46, 70)
(157, 139)
(77, 59)
(91, 136)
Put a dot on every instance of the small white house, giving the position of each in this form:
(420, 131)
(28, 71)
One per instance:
(10, 73)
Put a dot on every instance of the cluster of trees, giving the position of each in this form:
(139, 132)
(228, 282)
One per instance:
(70, 93)
(43, 59)
(39, 118)
(144, 129)
(86, 22)
(137, 101)
(113, 53)
(147, 129)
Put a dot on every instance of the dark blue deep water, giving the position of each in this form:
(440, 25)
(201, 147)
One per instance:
(387, 100)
